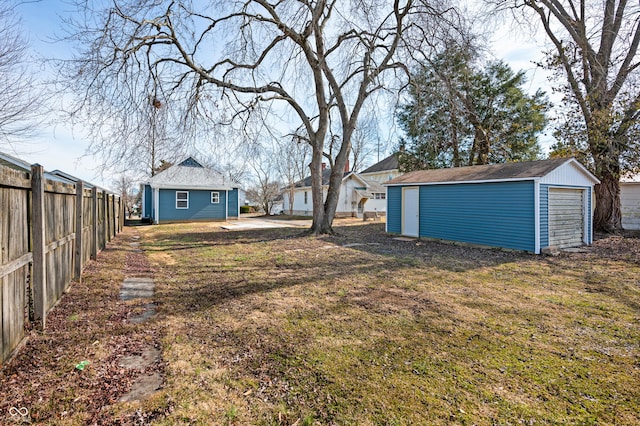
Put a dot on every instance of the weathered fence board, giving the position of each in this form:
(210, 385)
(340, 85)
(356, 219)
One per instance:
(60, 236)
(15, 258)
(87, 226)
(42, 223)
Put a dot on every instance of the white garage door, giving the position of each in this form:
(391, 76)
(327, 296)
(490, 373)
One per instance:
(566, 217)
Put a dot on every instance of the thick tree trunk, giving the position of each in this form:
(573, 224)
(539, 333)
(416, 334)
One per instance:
(323, 223)
(605, 151)
(608, 215)
(291, 195)
(317, 190)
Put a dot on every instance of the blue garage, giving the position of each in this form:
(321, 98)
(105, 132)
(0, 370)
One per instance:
(524, 206)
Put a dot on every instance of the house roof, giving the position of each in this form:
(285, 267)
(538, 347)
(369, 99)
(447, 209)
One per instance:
(389, 163)
(70, 178)
(373, 186)
(190, 174)
(493, 172)
(18, 164)
(326, 174)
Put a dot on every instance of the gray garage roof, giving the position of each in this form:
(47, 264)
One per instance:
(493, 172)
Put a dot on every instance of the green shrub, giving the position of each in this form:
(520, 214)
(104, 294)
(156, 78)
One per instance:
(245, 209)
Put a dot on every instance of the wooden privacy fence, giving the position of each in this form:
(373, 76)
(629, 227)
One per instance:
(48, 231)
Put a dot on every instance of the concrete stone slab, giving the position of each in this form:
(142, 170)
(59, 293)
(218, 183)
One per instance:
(143, 388)
(259, 223)
(134, 288)
(130, 294)
(138, 281)
(575, 250)
(139, 362)
(148, 313)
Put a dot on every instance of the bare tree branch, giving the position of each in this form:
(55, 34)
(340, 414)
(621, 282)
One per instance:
(315, 59)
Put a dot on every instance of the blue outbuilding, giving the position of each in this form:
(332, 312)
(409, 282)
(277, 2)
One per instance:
(188, 191)
(524, 206)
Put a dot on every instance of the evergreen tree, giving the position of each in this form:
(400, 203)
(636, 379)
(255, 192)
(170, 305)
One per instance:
(461, 115)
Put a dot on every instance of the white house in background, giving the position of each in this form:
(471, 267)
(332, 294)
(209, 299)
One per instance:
(376, 175)
(359, 192)
(383, 171)
(630, 202)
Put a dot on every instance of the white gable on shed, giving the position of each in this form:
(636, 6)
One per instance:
(570, 173)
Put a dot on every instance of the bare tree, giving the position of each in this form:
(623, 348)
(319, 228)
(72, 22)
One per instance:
(310, 58)
(21, 101)
(264, 193)
(595, 45)
(293, 158)
(266, 188)
(125, 187)
(364, 136)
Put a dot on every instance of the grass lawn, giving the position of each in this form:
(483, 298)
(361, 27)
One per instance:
(268, 327)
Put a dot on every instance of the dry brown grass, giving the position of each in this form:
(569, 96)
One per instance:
(268, 327)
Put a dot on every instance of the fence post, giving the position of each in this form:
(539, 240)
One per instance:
(114, 217)
(94, 225)
(107, 219)
(39, 275)
(122, 213)
(79, 225)
(105, 222)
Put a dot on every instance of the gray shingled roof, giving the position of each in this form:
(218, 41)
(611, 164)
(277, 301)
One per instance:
(389, 163)
(326, 174)
(493, 172)
(189, 174)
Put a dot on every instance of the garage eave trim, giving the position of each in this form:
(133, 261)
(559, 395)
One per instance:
(456, 182)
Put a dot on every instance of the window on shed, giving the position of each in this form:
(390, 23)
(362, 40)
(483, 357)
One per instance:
(305, 197)
(182, 199)
(215, 197)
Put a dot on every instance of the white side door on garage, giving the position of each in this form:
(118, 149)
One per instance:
(566, 217)
(410, 212)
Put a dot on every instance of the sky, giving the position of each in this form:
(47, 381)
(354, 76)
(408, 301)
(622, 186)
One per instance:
(57, 145)
(61, 146)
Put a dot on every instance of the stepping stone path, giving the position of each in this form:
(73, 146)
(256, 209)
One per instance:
(137, 288)
(142, 288)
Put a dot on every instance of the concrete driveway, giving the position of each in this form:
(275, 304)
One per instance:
(245, 223)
